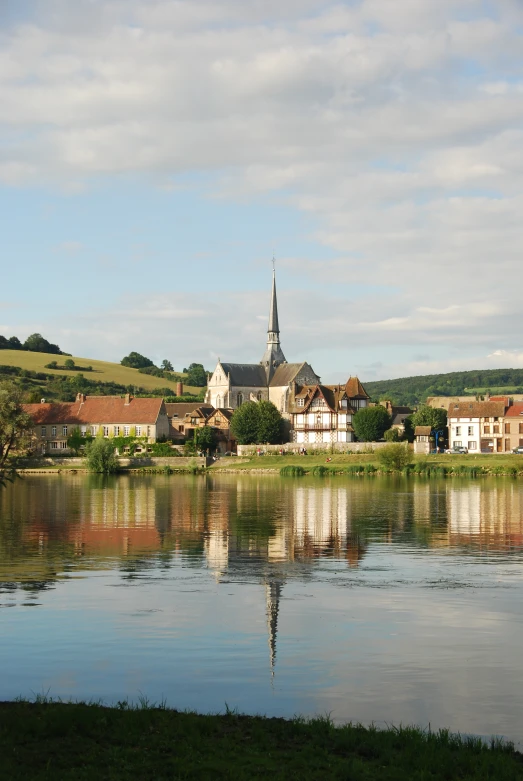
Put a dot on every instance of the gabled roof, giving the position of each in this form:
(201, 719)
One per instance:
(422, 431)
(180, 409)
(332, 394)
(246, 374)
(285, 373)
(477, 409)
(227, 413)
(97, 410)
(515, 410)
(355, 389)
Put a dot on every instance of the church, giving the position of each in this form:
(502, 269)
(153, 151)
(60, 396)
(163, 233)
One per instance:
(272, 379)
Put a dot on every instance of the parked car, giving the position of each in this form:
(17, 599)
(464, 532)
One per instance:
(518, 449)
(457, 450)
(229, 453)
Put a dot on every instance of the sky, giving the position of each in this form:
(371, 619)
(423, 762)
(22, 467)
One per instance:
(156, 154)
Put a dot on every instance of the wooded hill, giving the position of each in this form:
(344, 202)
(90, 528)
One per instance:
(414, 390)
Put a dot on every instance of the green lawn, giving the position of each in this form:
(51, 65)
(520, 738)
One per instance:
(103, 371)
(497, 390)
(77, 742)
(341, 460)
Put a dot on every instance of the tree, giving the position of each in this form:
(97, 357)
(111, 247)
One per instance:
(37, 344)
(196, 375)
(394, 456)
(370, 423)
(205, 438)
(15, 343)
(435, 417)
(76, 440)
(136, 361)
(391, 435)
(167, 365)
(101, 457)
(14, 427)
(69, 363)
(270, 423)
(257, 423)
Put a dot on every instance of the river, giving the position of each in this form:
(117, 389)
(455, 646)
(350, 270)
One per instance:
(385, 600)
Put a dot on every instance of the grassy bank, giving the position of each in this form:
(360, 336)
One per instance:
(368, 463)
(78, 741)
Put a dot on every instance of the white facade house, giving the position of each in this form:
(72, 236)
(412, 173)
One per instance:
(323, 413)
(477, 425)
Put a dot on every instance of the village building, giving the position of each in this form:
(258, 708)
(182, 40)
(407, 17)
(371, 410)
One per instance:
(323, 413)
(272, 379)
(422, 444)
(398, 415)
(478, 426)
(110, 416)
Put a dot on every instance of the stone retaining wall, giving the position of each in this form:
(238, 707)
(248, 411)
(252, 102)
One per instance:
(132, 463)
(318, 447)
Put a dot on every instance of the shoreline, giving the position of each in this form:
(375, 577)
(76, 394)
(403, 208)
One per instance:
(51, 739)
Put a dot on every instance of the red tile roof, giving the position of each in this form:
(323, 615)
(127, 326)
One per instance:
(355, 389)
(477, 409)
(515, 410)
(97, 410)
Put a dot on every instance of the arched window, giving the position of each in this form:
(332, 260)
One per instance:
(218, 402)
(259, 395)
(239, 400)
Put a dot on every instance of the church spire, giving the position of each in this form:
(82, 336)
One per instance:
(273, 354)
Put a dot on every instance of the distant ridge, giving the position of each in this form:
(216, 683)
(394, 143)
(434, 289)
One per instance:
(415, 390)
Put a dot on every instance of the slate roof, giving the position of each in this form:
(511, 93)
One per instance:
(285, 373)
(179, 410)
(246, 374)
(97, 409)
(477, 409)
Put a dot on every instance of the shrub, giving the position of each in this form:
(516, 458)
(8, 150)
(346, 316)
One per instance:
(292, 471)
(101, 457)
(394, 456)
(391, 435)
(320, 471)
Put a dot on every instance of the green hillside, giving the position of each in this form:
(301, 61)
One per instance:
(105, 377)
(414, 390)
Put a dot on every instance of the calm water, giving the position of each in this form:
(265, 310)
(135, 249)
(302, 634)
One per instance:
(371, 599)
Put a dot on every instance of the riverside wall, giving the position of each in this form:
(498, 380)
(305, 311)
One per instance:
(127, 463)
(318, 447)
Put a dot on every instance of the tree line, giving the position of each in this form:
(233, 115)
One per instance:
(194, 375)
(34, 343)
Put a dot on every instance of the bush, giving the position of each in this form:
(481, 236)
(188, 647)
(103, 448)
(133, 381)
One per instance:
(321, 471)
(370, 423)
(101, 457)
(392, 435)
(394, 456)
(292, 471)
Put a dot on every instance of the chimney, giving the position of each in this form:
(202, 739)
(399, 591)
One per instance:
(127, 399)
(80, 397)
(179, 388)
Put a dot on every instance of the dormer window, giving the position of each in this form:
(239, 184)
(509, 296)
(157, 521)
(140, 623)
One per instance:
(301, 403)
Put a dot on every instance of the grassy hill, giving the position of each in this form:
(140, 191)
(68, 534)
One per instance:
(414, 390)
(102, 372)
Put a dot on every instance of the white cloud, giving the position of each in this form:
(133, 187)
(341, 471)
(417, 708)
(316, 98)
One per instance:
(397, 126)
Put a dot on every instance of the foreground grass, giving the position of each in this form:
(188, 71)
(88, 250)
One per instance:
(78, 741)
(103, 371)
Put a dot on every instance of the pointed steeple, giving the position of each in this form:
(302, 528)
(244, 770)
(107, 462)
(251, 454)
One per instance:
(273, 589)
(273, 355)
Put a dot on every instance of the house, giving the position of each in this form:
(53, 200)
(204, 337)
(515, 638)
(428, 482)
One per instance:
(272, 379)
(113, 416)
(185, 417)
(422, 439)
(220, 421)
(478, 426)
(398, 415)
(513, 426)
(323, 413)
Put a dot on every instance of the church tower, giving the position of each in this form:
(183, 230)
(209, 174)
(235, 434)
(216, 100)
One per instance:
(273, 355)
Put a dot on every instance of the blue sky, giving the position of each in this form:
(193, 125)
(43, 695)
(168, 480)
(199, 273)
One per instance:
(155, 154)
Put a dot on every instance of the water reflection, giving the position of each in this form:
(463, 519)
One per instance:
(382, 572)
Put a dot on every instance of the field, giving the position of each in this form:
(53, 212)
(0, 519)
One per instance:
(79, 741)
(495, 390)
(341, 460)
(103, 371)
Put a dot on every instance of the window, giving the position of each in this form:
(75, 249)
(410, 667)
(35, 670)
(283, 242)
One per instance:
(53, 431)
(495, 429)
(54, 445)
(301, 403)
(470, 430)
(194, 421)
(181, 429)
(458, 443)
(458, 430)
(126, 431)
(117, 431)
(148, 431)
(44, 430)
(84, 430)
(239, 400)
(486, 429)
(138, 431)
(93, 430)
(521, 428)
(344, 403)
(106, 431)
(472, 446)
(64, 431)
(63, 445)
(507, 428)
(259, 395)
